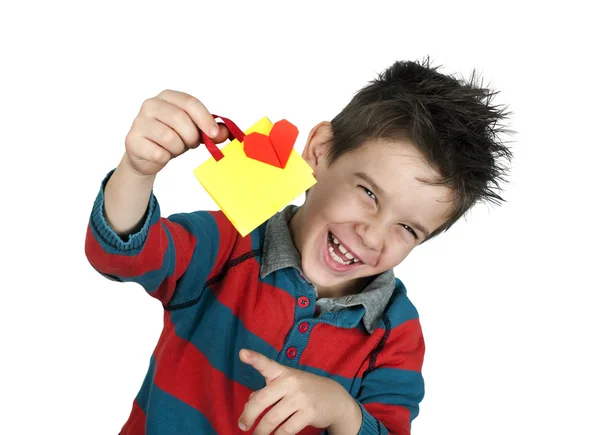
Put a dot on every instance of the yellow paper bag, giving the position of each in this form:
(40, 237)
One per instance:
(250, 191)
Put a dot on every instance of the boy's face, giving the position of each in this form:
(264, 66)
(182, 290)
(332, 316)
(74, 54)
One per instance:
(371, 201)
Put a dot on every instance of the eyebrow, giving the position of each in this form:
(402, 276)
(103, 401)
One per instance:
(380, 192)
(376, 188)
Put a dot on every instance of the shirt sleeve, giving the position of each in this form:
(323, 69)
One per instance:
(391, 392)
(159, 255)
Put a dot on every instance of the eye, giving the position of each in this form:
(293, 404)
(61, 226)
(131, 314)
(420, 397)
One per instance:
(410, 230)
(406, 227)
(368, 192)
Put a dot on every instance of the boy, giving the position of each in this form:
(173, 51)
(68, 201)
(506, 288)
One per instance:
(301, 326)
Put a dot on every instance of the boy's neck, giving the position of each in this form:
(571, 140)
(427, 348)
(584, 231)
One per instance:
(344, 289)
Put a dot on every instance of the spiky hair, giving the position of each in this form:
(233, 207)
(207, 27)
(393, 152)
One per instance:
(451, 121)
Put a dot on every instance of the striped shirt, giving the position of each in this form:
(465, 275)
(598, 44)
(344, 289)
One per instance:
(222, 292)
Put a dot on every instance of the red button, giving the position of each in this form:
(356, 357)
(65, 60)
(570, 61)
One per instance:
(291, 352)
(303, 327)
(303, 301)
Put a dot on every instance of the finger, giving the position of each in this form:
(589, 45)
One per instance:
(223, 133)
(194, 108)
(265, 366)
(294, 424)
(161, 134)
(276, 416)
(173, 117)
(261, 400)
(144, 149)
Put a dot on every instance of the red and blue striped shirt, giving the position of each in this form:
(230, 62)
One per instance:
(222, 292)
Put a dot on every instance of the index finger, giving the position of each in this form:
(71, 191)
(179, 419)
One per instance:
(270, 369)
(194, 108)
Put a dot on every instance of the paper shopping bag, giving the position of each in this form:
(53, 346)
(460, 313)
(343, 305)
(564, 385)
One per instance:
(256, 174)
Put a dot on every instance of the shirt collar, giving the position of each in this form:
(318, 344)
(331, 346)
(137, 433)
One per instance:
(278, 249)
(279, 252)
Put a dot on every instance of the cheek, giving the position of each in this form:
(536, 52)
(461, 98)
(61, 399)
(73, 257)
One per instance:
(396, 250)
(352, 202)
(336, 204)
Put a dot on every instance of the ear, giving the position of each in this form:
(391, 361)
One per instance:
(317, 144)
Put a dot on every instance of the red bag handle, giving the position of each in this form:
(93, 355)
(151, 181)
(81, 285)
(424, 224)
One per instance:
(234, 133)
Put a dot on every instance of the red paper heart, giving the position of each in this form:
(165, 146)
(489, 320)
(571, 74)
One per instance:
(274, 149)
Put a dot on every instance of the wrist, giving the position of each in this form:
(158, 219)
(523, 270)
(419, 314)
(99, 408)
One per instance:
(350, 419)
(127, 195)
(127, 168)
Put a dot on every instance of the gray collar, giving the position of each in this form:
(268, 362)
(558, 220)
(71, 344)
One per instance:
(279, 252)
(278, 249)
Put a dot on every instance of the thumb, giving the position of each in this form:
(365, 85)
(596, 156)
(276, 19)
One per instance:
(223, 134)
(270, 369)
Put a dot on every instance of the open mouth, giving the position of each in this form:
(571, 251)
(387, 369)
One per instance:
(338, 256)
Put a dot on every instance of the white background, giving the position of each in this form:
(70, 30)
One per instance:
(508, 298)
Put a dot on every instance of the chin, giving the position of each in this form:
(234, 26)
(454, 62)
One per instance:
(322, 275)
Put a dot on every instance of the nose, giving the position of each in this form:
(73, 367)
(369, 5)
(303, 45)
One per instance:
(372, 236)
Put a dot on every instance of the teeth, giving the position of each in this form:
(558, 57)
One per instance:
(343, 250)
(337, 258)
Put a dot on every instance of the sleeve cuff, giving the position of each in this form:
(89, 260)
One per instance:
(370, 425)
(106, 233)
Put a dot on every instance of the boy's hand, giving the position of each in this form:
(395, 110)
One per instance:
(301, 398)
(166, 127)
